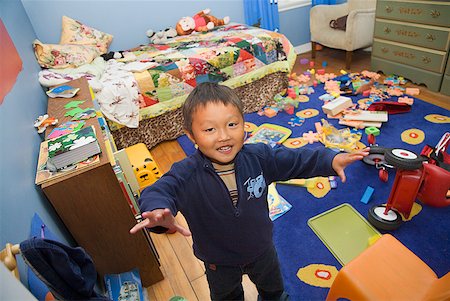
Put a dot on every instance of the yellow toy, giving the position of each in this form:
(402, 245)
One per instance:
(338, 139)
(144, 166)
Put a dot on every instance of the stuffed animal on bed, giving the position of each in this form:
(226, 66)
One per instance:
(161, 36)
(200, 22)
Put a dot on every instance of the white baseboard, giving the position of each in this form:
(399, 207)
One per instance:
(302, 48)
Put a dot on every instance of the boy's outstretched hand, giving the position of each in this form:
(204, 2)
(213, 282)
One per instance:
(341, 161)
(159, 217)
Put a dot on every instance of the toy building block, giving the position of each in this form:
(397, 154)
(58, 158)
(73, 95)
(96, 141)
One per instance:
(412, 91)
(289, 109)
(321, 71)
(367, 195)
(324, 64)
(304, 61)
(318, 127)
(311, 64)
(360, 124)
(270, 112)
(338, 105)
(326, 97)
(360, 115)
(333, 182)
(372, 131)
(366, 93)
(406, 99)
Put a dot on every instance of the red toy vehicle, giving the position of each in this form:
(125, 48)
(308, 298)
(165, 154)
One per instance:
(415, 178)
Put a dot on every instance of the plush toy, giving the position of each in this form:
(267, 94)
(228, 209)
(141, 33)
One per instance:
(161, 36)
(201, 22)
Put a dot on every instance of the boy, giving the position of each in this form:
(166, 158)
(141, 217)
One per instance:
(222, 192)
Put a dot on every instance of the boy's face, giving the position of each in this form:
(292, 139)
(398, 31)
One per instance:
(218, 130)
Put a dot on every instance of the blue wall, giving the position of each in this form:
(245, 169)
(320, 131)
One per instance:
(114, 17)
(126, 20)
(19, 197)
(294, 24)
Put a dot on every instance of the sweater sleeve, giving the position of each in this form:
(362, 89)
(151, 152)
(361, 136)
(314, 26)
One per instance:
(302, 163)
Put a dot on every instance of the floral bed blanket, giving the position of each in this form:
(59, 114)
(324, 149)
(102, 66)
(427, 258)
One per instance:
(164, 74)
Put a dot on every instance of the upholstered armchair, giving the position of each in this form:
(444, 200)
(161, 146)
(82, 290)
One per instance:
(359, 29)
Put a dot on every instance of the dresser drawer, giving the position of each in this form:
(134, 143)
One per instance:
(447, 69)
(425, 12)
(430, 60)
(445, 88)
(419, 35)
(431, 79)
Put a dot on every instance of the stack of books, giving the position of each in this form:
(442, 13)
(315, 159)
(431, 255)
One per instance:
(66, 154)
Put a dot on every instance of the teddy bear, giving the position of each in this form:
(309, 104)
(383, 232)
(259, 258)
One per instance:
(200, 22)
(161, 36)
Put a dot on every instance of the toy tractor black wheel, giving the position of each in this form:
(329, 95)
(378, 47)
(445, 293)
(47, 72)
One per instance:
(376, 155)
(403, 159)
(388, 222)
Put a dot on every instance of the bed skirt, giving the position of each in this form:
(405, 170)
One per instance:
(168, 126)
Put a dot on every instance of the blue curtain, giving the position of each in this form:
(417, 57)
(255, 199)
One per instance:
(262, 13)
(324, 2)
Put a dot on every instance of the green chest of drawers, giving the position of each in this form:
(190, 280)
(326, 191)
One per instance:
(412, 39)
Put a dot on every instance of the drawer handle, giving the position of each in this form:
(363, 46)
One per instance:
(387, 30)
(426, 59)
(388, 9)
(384, 50)
(435, 13)
(430, 37)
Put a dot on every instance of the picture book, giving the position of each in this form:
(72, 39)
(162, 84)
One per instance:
(270, 134)
(125, 286)
(66, 128)
(72, 148)
(43, 174)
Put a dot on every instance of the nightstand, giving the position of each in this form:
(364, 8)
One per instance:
(92, 206)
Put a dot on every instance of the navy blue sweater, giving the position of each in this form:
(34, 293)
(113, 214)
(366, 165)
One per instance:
(223, 234)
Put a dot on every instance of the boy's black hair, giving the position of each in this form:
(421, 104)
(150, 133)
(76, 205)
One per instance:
(205, 93)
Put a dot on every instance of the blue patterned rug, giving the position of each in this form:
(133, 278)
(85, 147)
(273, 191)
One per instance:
(427, 234)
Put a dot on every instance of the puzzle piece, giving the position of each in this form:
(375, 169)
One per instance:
(73, 112)
(73, 104)
(296, 121)
(311, 137)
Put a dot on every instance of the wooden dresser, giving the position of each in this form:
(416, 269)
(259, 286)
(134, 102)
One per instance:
(445, 87)
(92, 206)
(411, 39)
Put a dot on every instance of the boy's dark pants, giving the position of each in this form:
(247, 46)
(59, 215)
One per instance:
(225, 282)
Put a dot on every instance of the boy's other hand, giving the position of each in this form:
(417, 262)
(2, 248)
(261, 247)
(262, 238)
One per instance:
(159, 217)
(341, 161)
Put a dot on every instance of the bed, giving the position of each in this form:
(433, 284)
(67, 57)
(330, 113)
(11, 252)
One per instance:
(141, 91)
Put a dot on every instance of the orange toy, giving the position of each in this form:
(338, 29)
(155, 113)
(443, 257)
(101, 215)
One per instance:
(144, 166)
(388, 270)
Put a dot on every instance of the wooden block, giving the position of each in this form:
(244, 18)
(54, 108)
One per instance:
(377, 116)
(412, 91)
(338, 105)
(359, 124)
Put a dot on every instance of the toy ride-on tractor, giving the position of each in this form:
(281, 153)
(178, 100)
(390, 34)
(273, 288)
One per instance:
(415, 178)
